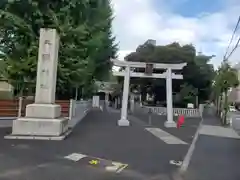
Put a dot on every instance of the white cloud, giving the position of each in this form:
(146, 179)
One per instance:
(137, 20)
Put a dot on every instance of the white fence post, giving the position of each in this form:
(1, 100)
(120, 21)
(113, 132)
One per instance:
(20, 100)
(71, 109)
(95, 102)
(201, 108)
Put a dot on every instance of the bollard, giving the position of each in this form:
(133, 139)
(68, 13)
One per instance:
(150, 116)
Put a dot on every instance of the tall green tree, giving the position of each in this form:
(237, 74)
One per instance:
(226, 78)
(197, 75)
(86, 41)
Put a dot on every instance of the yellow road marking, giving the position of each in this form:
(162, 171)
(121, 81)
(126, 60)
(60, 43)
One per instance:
(116, 167)
(94, 162)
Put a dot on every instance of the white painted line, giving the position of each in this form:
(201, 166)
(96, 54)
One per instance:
(218, 131)
(177, 163)
(122, 168)
(75, 156)
(189, 154)
(116, 167)
(113, 168)
(165, 136)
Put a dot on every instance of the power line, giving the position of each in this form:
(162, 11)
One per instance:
(232, 37)
(234, 49)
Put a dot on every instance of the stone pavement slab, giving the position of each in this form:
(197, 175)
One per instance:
(215, 158)
(218, 131)
(97, 136)
(216, 155)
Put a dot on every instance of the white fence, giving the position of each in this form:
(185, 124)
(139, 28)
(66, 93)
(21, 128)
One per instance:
(188, 112)
(78, 110)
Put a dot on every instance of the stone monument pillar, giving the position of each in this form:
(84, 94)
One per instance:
(43, 117)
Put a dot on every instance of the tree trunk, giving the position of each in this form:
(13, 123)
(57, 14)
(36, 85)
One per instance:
(217, 104)
(225, 107)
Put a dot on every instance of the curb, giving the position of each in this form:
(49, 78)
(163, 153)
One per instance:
(191, 149)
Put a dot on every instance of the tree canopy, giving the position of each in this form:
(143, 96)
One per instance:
(197, 75)
(86, 40)
(225, 78)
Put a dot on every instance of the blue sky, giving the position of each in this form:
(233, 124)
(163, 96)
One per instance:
(191, 8)
(208, 24)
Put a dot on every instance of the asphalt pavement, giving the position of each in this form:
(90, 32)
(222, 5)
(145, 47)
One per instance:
(94, 147)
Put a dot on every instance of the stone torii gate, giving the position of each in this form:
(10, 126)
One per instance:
(168, 75)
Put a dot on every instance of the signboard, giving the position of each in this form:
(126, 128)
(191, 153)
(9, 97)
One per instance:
(149, 69)
(105, 86)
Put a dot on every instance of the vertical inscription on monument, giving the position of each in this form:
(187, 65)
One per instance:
(44, 84)
(46, 50)
(47, 66)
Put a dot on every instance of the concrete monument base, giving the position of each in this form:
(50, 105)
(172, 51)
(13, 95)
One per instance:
(123, 122)
(48, 111)
(38, 128)
(170, 124)
(53, 138)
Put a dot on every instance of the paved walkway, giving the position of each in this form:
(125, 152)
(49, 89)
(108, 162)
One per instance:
(217, 153)
(185, 133)
(96, 150)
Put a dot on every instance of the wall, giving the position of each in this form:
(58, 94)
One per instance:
(78, 110)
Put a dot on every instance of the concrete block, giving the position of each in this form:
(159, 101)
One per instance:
(48, 111)
(39, 127)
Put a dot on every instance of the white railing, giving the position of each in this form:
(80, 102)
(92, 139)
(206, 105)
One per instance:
(176, 111)
(78, 110)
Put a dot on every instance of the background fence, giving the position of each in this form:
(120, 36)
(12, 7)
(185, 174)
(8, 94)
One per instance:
(188, 112)
(17, 107)
(78, 110)
(9, 108)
